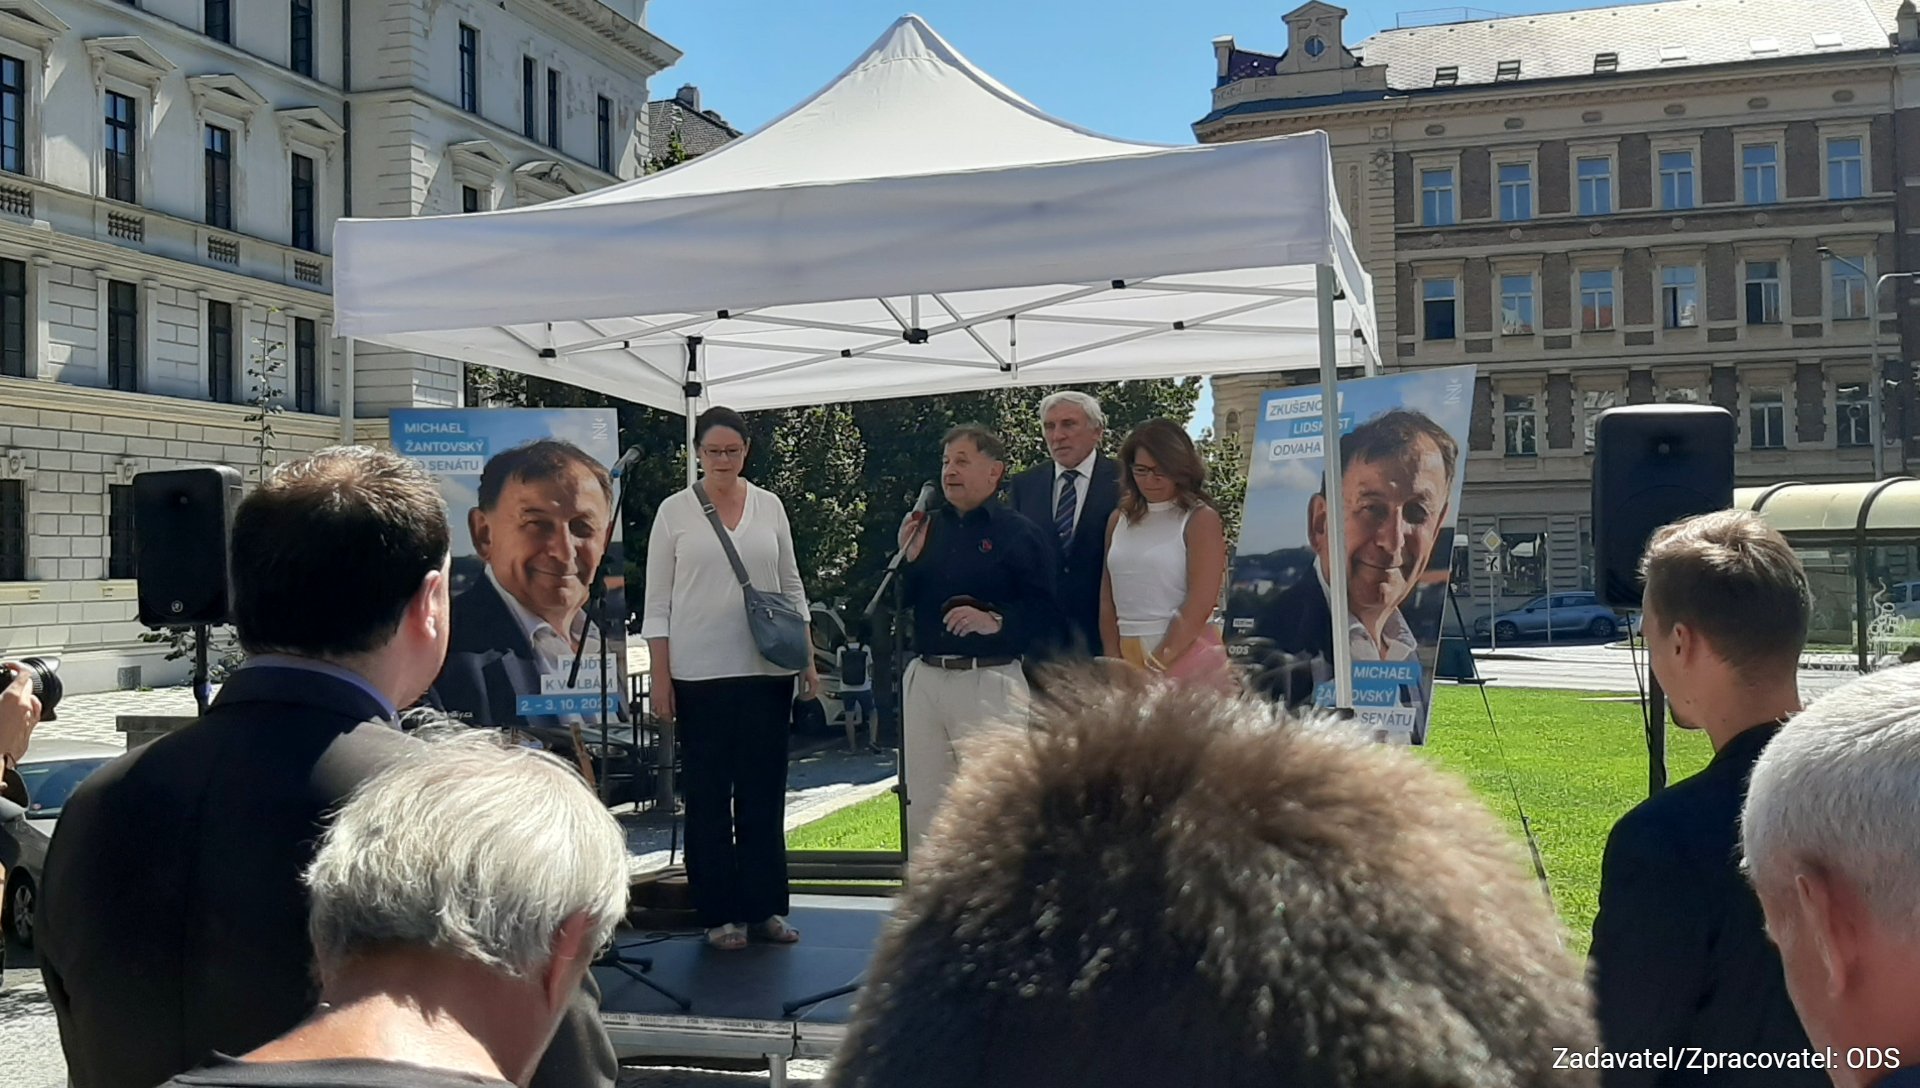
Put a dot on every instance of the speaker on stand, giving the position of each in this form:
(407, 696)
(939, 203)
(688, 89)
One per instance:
(1653, 464)
(182, 529)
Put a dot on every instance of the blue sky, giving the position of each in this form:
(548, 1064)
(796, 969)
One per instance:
(1140, 71)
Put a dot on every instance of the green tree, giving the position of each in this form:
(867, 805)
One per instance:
(1226, 478)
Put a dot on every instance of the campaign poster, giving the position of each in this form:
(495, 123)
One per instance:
(531, 505)
(1403, 443)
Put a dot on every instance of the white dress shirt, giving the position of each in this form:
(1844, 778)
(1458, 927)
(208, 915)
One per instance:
(694, 599)
(1081, 485)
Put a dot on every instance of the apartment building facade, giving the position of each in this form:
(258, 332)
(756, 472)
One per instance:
(170, 175)
(1672, 202)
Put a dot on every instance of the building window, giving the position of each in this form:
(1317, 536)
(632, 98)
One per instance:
(1516, 191)
(300, 37)
(469, 200)
(219, 20)
(1846, 169)
(13, 531)
(1436, 198)
(604, 131)
(553, 109)
(219, 178)
(123, 336)
(222, 381)
(1596, 186)
(1522, 558)
(1676, 180)
(1849, 288)
(1596, 300)
(13, 115)
(1522, 420)
(1592, 403)
(302, 202)
(1760, 173)
(1516, 305)
(1766, 419)
(1850, 418)
(1438, 297)
(529, 103)
(122, 148)
(1680, 297)
(120, 531)
(1763, 292)
(13, 318)
(469, 69)
(306, 367)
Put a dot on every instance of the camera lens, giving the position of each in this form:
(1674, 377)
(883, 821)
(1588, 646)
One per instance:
(45, 681)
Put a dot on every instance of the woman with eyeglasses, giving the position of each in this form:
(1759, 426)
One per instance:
(1166, 561)
(733, 706)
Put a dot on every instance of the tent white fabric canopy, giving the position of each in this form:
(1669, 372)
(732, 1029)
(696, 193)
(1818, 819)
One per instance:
(914, 228)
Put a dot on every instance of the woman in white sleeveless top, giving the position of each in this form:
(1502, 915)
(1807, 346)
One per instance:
(1166, 560)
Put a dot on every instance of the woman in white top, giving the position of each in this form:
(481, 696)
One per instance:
(1166, 560)
(733, 705)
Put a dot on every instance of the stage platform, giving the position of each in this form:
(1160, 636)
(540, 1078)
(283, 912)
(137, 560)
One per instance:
(738, 999)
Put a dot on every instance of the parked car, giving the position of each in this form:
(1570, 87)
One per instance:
(52, 771)
(1568, 615)
(1905, 599)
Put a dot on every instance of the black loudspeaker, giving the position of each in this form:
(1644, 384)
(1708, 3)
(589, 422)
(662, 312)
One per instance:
(182, 523)
(1653, 464)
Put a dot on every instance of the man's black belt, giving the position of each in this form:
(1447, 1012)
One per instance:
(941, 661)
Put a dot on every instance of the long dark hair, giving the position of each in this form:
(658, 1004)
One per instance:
(1167, 443)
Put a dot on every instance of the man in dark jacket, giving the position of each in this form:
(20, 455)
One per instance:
(1070, 498)
(1680, 952)
(182, 926)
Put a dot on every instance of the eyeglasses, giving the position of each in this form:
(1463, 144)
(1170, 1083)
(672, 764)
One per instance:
(732, 453)
(1148, 472)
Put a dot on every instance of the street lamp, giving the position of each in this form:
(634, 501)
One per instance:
(1876, 376)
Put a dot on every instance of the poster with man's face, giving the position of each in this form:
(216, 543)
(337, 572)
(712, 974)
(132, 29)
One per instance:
(1403, 441)
(531, 504)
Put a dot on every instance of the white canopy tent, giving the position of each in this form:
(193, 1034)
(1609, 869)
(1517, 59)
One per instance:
(915, 228)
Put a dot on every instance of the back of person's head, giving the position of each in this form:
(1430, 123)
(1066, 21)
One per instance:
(1839, 786)
(1735, 581)
(1155, 887)
(329, 551)
(471, 847)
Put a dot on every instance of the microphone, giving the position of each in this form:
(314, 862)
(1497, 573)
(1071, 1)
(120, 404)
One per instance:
(927, 491)
(627, 460)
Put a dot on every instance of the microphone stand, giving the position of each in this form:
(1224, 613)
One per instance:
(597, 619)
(899, 668)
(636, 968)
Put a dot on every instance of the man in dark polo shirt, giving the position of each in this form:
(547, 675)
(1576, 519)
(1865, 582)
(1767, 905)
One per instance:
(979, 579)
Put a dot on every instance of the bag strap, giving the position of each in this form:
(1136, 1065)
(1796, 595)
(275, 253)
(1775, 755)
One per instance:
(720, 530)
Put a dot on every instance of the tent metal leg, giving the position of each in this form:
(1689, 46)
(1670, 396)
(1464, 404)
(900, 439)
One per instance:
(1336, 498)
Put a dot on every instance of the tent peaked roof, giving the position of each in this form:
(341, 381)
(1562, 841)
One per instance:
(914, 228)
(911, 105)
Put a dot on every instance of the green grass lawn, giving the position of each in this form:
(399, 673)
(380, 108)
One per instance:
(1577, 764)
(873, 824)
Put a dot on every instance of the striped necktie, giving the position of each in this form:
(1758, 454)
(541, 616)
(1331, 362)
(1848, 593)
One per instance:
(1063, 510)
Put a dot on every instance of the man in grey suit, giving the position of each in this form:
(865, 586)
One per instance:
(182, 927)
(1070, 498)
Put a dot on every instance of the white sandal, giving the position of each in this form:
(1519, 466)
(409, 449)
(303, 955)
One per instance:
(727, 938)
(776, 929)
